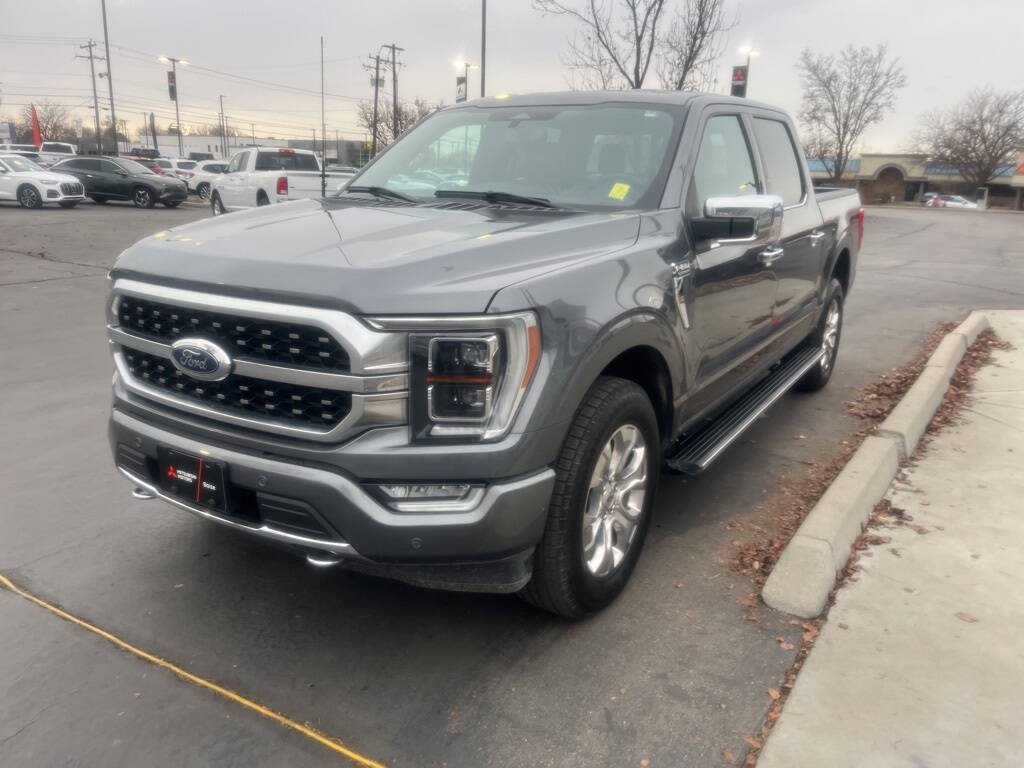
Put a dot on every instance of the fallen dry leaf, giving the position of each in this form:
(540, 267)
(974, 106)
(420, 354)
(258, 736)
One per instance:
(966, 617)
(728, 756)
(752, 742)
(773, 693)
(786, 646)
(644, 763)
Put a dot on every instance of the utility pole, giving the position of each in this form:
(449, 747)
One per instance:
(95, 99)
(110, 79)
(394, 91)
(323, 125)
(376, 98)
(337, 145)
(223, 131)
(145, 132)
(252, 127)
(483, 47)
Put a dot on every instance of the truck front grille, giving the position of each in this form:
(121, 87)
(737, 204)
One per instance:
(274, 342)
(267, 400)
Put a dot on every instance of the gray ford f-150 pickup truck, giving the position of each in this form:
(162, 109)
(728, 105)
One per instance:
(468, 368)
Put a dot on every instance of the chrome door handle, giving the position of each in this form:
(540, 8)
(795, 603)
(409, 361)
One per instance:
(816, 237)
(770, 255)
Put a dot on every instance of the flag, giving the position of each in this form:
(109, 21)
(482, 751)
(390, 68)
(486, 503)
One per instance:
(37, 138)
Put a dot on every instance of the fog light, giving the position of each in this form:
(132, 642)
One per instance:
(430, 497)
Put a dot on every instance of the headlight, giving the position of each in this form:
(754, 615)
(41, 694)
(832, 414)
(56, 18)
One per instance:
(468, 375)
(49, 182)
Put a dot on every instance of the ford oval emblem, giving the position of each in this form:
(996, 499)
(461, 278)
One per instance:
(200, 359)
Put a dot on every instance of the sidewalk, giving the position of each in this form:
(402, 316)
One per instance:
(921, 661)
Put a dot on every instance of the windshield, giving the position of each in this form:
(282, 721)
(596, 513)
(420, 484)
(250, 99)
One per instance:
(20, 164)
(605, 156)
(134, 168)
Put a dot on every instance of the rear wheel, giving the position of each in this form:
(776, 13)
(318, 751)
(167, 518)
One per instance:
(607, 474)
(143, 197)
(68, 203)
(28, 197)
(828, 334)
(261, 198)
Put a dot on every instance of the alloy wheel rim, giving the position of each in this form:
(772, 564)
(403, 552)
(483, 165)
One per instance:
(29, 197)
(615, 501)
(141, 197)
(830, 337)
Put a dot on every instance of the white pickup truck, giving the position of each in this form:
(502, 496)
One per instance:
(264, 175)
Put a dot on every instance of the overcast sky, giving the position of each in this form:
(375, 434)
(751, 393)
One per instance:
(947, 47)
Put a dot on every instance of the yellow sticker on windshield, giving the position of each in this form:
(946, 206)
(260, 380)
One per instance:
(619, 191)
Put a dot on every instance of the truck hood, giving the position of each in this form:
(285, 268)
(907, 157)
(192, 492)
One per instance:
(374, 259)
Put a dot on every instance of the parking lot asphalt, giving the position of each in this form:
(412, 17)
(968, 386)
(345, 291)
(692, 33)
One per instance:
(671, 673)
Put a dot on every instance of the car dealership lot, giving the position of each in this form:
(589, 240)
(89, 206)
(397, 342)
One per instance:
(670, 673)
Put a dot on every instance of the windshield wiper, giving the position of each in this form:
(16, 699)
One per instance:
(495, 197)
(380, 192)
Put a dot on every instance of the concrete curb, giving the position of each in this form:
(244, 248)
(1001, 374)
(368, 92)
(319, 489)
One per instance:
(806, 571)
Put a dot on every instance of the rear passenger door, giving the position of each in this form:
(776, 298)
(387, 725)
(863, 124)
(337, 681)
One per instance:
(805, 242)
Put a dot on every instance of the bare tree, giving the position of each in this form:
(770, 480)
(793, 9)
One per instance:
(617, 44)
(408, 115)
(844, 95)
(54, 122)
(693, 45)
(978, 135)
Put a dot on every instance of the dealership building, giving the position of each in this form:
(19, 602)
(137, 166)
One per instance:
(895, 178)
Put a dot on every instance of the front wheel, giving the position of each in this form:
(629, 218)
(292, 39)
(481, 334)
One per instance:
(29, 197)
(606, 478)
(143, 197)
(203, 190)
(216, 206)
(827, 335)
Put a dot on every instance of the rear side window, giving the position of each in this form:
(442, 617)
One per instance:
(187, 165)
(778, 154)
(285, 161)
(725, 167)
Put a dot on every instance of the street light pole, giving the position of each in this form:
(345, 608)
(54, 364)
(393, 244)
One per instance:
(177, 96)
(751, 52)
(483, 46)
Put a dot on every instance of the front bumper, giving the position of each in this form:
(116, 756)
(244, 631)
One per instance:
(485, 548)
(173, 193)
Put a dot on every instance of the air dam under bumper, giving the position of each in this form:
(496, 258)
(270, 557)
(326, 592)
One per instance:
(360, 531)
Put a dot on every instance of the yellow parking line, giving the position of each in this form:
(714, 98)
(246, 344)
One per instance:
(249, 704)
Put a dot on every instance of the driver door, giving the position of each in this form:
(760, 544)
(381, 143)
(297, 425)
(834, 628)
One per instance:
(230, 183)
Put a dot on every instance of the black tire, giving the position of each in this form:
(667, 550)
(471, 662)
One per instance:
(216, 206)
(819, 375)
(261, 198)
(68, 203)
(99, 199)
(29, 197)
(562, 582)
(203, 190)
(172, 203)
(143, 197)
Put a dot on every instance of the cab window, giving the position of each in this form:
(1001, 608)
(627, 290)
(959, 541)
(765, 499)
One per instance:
(778, 155)
(237, 162)
(725, 167)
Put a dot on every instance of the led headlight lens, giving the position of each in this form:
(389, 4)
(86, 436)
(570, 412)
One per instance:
(460, 378)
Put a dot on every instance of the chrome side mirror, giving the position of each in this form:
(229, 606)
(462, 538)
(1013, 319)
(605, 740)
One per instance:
(745, 219)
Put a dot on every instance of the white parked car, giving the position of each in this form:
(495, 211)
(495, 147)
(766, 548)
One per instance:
(264, 175)
(950, 201)
(206, 172)
(179, 168)
(51, 152)
(32, 185)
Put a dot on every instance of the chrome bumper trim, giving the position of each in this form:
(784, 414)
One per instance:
(333, 546)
